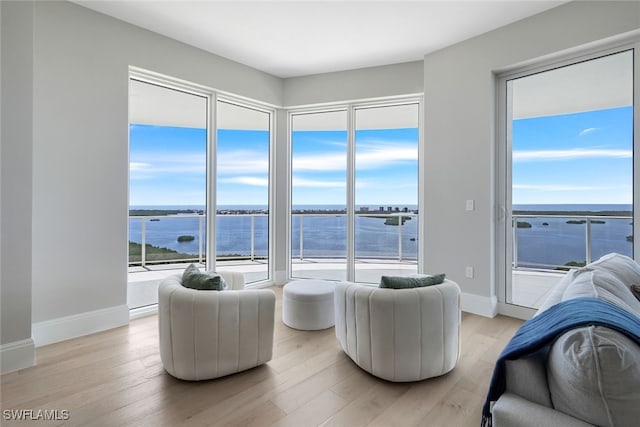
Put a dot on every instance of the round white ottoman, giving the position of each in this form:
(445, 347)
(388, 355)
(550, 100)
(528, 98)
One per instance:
(308, 304)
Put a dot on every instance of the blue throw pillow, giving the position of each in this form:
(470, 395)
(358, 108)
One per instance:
(193, 278)
(403, 282)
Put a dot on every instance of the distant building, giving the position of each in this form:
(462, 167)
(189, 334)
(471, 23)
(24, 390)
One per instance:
(364, 209)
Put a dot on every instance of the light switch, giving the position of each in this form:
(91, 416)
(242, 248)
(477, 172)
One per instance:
(471, 204)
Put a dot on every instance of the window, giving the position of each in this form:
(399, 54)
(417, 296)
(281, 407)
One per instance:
(319, 195)
(179, 171)
(242, 193)
(167, 183)
(569, 162)
(386, 191)
(354, 192)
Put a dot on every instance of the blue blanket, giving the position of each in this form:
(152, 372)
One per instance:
(545, 328)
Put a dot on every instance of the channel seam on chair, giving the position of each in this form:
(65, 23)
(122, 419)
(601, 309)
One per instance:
(393, 335)
(369, 296)
(420, 372)
(217, 337)
(238, 318)
(442, 329)
(193, 335)
(173, 356)
(259, 331)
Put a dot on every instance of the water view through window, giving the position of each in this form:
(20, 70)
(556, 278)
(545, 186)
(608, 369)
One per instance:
(384, 210)
(571, 133)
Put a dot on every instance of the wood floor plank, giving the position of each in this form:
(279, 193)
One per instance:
(116, 378)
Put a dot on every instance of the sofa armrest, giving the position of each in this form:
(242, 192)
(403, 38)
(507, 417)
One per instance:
(514, 411)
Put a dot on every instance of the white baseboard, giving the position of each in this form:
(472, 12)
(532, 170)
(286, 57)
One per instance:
(482, 306)
(77, 325)
(148, 310)
(17, 355)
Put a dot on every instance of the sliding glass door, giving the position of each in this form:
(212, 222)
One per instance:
(570, 187)
(354, 192)
(386, 191)
(242, 190)
(167, 184)
(319, 195)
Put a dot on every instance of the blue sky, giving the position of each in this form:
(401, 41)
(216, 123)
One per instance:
(574, 158)
(386, 167)
(168, 167)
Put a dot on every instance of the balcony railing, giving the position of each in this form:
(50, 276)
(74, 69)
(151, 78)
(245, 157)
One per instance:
(614, 243)
(302, 251)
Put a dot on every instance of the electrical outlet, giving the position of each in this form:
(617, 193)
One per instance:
(468, 272)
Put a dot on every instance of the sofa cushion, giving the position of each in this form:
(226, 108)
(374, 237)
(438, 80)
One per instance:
(406, 282)
(621, 266)
(210, 281)
(594, 375)
(599, 283)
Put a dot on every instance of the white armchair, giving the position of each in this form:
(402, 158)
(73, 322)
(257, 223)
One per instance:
(399, 334)
(209, 334)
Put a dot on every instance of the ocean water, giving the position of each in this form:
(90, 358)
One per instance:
(549, 241)
(323, 236)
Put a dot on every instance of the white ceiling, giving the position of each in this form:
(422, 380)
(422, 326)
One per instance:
(287, 38)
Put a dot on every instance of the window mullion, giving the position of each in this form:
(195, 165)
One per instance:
(351, 167)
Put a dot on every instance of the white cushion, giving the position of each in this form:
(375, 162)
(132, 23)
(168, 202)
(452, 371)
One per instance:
(600, 284)
(621, 266)
(399, 334)
(594, 375)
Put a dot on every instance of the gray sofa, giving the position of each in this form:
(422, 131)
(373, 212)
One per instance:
(589, 375)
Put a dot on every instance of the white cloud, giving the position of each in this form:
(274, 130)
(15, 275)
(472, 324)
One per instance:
(138, 166)
(302, 182)
(368, 156)
(246, 180)
(542, 155)
(588, 131)
(561, 187)
(241, 162)
(322, 162)
(372, 157)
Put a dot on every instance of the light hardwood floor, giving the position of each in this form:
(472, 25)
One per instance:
(115, 378)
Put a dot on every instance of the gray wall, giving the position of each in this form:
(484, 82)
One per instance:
(459, 93)
(389, 80)
(80, 148)
(16, 168)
